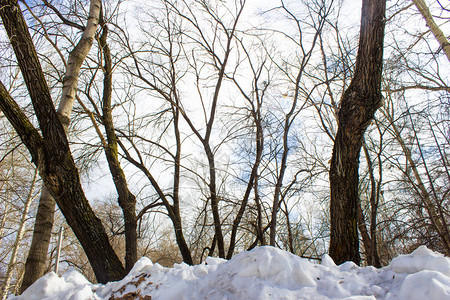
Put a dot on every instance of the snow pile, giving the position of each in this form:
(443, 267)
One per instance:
(263, 273)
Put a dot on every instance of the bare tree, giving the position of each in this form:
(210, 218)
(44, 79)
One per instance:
(127, 200)
(36, 261)
(20, 234)
(358, 105)
(323, 9)
(51, 153)
(428, 196)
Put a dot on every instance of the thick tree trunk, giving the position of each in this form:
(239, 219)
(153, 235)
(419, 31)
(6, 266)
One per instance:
(358, 105)
(51, 154)
(35, 266)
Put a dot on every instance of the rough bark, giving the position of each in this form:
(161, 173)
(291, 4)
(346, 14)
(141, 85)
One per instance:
(358, 105)
(51, 153)
(35, 266)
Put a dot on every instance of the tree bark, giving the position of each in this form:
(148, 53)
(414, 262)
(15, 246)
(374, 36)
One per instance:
(36, 263)
(35, 266)
(74, 62)
(51, 153)
(358, 105)
(127, 200)
(19, 237)
(437, 32)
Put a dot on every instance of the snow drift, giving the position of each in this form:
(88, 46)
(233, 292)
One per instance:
(263, 273)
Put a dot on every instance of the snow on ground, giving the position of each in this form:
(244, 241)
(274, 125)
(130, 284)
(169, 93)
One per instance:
(263, 273)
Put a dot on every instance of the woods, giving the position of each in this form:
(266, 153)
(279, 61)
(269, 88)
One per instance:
(185, 129)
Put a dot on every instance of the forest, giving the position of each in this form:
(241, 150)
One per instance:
(185, 129)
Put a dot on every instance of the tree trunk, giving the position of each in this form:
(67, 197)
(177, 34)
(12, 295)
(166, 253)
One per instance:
(437, 32)
(19, 237)
(259, 151)
(182, 245)
(176, 220)
(74, 62)
(127, 200)
(358, 105)
(214, 200)
(259, 231)
(51, 153)
(35, 266)
(172, 211)
(36, 263)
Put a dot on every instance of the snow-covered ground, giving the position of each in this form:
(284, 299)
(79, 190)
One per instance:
(263, 273)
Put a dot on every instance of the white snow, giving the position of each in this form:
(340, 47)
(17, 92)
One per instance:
(263, 273)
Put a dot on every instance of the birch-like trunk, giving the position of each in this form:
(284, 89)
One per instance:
(19, 237)
(51, 152)
(437, 32)
(35, 266)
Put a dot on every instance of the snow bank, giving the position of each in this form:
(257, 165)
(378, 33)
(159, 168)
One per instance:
(72, 285)
(421, 259)
(263, 273)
